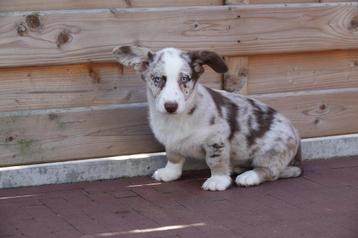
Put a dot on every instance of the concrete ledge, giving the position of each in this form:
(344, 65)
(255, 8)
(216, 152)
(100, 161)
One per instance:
(330, 147)
(146, 164)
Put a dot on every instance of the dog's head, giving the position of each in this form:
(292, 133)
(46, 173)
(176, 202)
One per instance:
(171, 74)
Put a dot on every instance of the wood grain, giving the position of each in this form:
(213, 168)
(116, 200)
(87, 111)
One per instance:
(309, 71)
(78, 36)
(318, 113)
(40, 5)
(82, 85)
(233, 2)
(68, 134)
(235, 80)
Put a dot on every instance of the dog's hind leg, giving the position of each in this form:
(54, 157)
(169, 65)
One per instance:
(239, 170)
(290, 172)
(269, 166)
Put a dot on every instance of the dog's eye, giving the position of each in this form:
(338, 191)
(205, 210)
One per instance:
(159, 80)
(185, 79)
(156, 79)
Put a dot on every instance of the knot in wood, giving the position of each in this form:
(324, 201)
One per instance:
(33, 21)
(52, 116)
(354, 23)
(243, 72)
(94, 75)
(63, 38)
(128, 3)
(21, 29)
(322, 107)
(9, 139)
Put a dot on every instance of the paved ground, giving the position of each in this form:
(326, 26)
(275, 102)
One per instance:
(322, 203)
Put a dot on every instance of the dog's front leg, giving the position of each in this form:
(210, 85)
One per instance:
(218, 160)
(173, 169)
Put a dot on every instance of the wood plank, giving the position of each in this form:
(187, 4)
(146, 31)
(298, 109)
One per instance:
(40, 5)
(62, 37)
(318, 113)
(67, 134)
(233, 2)
(309, 71)
(235, 80)
(80, 85)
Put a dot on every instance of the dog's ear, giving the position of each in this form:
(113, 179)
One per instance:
(133, 56)
(199, 58)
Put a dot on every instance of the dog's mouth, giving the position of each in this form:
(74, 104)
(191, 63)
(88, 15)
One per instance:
(171, 113)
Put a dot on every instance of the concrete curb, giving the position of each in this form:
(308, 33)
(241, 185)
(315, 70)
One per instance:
(146, 164)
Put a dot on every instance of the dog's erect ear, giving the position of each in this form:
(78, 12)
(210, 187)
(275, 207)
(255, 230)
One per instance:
(209, 58)
(133, 56)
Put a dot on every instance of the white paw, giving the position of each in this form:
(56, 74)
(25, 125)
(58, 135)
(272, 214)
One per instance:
(166, 174)
(217, 183)
(249, 178)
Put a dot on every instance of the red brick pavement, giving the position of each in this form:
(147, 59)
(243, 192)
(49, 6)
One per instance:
(322, 203)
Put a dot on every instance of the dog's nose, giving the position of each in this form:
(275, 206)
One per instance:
(171, 107)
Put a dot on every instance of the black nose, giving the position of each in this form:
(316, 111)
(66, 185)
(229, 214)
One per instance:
(171, 107)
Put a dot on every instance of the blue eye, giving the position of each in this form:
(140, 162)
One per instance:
(159, 80)
(156, 79)
(185, 79)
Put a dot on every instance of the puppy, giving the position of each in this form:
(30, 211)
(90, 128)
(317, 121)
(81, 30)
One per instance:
(232, 132)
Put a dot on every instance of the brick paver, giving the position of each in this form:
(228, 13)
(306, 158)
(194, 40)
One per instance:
(322, 203)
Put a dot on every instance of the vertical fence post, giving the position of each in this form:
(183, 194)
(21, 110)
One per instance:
(236, 79)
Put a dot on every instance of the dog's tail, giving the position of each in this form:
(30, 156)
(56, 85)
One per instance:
(293, 169)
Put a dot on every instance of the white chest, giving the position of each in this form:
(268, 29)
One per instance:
(180, 134)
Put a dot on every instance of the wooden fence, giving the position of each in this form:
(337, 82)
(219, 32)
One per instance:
(63, 98)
